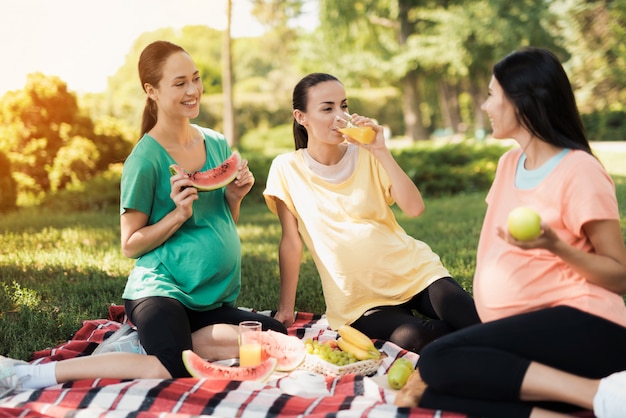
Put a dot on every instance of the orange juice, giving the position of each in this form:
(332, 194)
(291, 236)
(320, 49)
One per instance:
(249, 354)
(363, 134)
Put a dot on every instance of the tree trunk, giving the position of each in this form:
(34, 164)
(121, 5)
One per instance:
(478, 97)
(227, 81)
(414, 127)
(449, 103)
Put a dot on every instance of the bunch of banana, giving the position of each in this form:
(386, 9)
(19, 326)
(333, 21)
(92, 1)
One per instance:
(353, 341)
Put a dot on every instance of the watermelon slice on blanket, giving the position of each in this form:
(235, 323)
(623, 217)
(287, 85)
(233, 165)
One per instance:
(200, 368)
(289, 351)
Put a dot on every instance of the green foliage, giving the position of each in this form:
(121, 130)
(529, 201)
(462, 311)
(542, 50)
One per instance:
(114, 141)
(415, 46)
(74, 163)
(606, 125)
(49, 142)
(268, 141)
(382, 104)
(595, 37)
(8, 186)
(450, 169)
(100, 193)
(36, 123)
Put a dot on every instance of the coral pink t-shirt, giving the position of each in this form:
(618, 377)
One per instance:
(510, 280)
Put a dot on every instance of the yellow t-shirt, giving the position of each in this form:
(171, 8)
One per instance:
(509, 280)
(364, 257)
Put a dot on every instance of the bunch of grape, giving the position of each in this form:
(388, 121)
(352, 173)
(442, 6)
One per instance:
(328, 351)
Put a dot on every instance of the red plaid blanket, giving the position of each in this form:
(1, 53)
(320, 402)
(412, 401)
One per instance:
(349, 395)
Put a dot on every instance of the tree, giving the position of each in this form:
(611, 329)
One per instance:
(227, 81)
(411, 43)
(36, 123)
(596, 35)
(74, 163)
(8, 186)
(278, 49)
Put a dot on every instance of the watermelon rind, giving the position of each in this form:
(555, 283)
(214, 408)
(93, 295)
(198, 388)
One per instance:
(200, 368)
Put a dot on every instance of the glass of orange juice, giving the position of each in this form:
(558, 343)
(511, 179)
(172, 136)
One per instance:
(362, 134)
(249, 343)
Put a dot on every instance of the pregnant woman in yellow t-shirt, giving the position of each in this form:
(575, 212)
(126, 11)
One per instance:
(336, 197)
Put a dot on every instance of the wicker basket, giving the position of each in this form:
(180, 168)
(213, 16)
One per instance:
(315, 364)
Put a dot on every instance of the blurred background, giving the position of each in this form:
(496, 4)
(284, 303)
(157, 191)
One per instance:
(71, 102)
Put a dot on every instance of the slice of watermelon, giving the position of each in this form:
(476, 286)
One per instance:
(287, 350)
(213, 178)
(198, 367)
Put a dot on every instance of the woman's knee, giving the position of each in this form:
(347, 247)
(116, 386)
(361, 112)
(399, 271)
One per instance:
(418, 334)
(273, 324)
(432, 362)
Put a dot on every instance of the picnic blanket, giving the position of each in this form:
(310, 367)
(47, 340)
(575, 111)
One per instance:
(348, 396)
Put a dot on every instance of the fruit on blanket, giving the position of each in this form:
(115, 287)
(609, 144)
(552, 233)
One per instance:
(213, 178)
(198, 367)
(363, 134)
(399, 373)
(403, 361)
(524, 224)
(331, 343)
(288, 351)
(359, 340)
(358, 352)
(329, 351)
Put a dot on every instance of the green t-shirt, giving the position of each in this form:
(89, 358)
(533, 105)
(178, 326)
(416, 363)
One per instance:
(200, 264)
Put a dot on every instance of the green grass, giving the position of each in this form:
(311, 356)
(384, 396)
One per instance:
(57, 269)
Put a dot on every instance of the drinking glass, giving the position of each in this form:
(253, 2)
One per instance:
(362, 134)
(249, 343)
(343, 121)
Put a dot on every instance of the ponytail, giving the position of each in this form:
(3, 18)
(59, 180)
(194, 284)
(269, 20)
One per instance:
(300, 135)
(149, 118)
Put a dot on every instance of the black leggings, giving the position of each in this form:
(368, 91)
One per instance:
(165, 326)
(443, 307)
(479, 370)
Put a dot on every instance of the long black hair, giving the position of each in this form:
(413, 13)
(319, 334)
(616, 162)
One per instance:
(299, 101)
(535, 81)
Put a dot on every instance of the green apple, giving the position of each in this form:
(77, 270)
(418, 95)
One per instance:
(524, 224)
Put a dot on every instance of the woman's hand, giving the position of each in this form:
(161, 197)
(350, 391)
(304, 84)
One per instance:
(241, 186)
(286, 318)
(183, 195)
(238, 188)
(547, 240)
(379, 139)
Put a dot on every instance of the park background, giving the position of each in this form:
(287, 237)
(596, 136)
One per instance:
(419, 67)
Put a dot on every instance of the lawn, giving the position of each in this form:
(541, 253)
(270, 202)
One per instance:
(57, 269)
